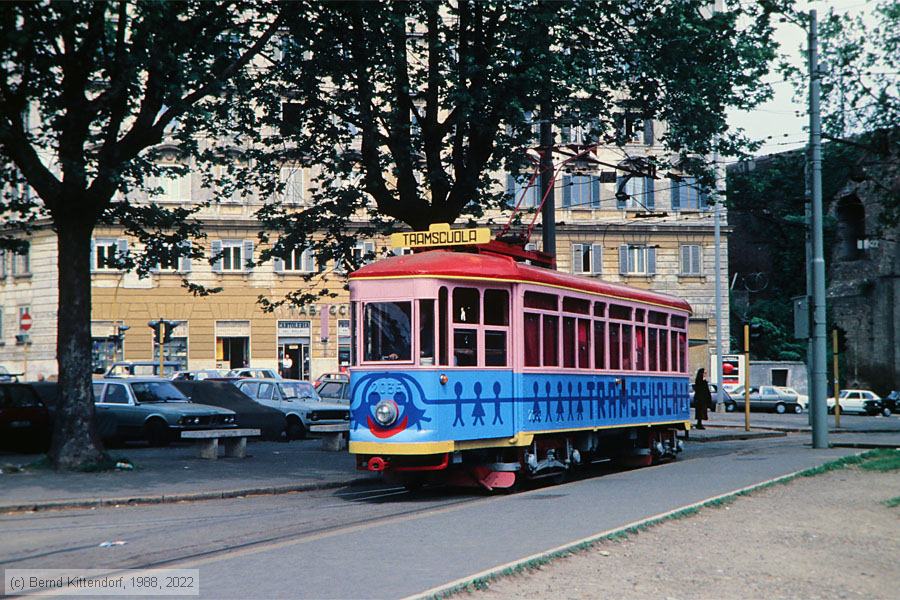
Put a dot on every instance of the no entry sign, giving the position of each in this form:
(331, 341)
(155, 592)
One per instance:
(25, 321)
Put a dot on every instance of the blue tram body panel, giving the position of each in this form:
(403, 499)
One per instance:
(483, 404)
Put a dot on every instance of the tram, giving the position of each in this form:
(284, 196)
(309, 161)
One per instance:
(471, 366)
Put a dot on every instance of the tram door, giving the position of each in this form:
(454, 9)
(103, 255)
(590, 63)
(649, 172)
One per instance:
(294, 360)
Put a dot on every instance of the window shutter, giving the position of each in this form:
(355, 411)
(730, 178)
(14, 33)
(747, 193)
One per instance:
(651, 260)
(3, 262)
(368, 250)
(308, 261)
(648, 132)
(696, 255)
(566, 134)
(93, 257)
(184, 187)
(620, 202)
(649, 193)
(676, 196)
(184, 261)
(248, 255)
(511, 189)
(577, 258)
(596, 259)
(595, 192)
(215, 249)
(685, 259)
(703, 199)
(121, 249)
(623, 259)
(567, 191)
(278, 264)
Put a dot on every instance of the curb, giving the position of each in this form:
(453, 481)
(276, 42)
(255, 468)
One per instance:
(866, 445)
(729, 437)
(173, 498)
(467, 583)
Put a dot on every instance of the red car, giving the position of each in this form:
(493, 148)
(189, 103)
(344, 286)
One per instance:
(24, 420)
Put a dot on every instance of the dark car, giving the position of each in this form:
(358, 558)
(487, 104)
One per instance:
(891, 402)
(24, 419)
(768, 398)
(727, 400)
(250, 414)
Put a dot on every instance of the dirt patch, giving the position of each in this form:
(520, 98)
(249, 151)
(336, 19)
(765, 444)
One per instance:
(828, 536)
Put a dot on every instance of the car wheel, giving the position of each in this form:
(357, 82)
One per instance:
(830, 410)
(729, 407)
(798, 409)
(780, 408)
(157, 433)
(886, 411)
(295, 429)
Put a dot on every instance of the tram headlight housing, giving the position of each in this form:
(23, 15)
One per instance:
(386, 412)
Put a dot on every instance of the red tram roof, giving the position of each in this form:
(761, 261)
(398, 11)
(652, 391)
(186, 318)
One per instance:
(443, 263)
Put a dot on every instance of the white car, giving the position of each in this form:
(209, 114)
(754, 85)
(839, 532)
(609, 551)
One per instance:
(862, 402)
(254, 373)
(801, 399)
(298, 400)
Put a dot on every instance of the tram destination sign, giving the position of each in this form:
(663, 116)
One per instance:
(440, 234)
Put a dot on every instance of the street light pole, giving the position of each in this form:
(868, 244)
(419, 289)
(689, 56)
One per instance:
(819, 382)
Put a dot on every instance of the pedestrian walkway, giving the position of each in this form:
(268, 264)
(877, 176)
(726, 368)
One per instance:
(176, 473)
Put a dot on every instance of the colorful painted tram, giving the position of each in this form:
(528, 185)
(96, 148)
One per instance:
(475, 368)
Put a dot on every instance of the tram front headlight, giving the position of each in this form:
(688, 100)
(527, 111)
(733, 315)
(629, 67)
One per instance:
(386, 412)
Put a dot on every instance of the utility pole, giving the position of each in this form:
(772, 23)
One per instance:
(718, 270)
(819, 380)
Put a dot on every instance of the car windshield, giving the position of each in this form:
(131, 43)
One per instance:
(845, 393)
(157, 391)
(299, 389)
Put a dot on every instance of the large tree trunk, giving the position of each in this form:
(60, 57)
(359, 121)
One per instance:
(75, 441)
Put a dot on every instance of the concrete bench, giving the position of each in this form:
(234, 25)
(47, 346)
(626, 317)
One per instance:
(235, 441)
(333, 439)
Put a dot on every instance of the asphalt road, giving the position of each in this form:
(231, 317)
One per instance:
(381, 541)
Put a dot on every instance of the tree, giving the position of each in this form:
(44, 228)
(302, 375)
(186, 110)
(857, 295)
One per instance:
(89, 89)
(412, 114)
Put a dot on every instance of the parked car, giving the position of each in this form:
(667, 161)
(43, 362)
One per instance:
(334, 390)
(153, 409)
(253, 373)
(6, 376)
(198, 375)
(864, 402)
(298, 400)
(249, 413)
(143, 368)
(727, 400)
(342, 377)
(801, 399)
(892, 401)
(768, 398)
(24, 419)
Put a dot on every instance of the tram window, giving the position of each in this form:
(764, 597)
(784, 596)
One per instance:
(679, 322)
(387, 332)
(576, 305)
(466, 305)
(496, 307)
(658, 318)
(542, 301)
(640, 349)
(599, 345)
(584, 344)
(674, 352)
(619, 312)
(615, 350)
(353, 340)
(442, 325)
(652, 348)
(532, 340)
(551, 340)
(626, 348)
(599, 309)
(639, 314)
(426, 332)
(569, 342)
(465, 347)
(682, 349)
(495, 348)
(663, 350)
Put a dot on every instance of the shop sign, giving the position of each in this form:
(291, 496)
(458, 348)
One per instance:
(293, 329)
(440, 234)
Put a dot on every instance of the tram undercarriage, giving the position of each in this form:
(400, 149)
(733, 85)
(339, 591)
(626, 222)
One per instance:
(550, 457)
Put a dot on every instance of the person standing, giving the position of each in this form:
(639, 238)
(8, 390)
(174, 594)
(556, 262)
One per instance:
(702, 398)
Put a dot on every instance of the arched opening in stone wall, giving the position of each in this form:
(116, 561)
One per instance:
(851, 216)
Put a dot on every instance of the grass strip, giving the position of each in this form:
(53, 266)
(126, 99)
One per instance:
(893, 502)
(880, 460)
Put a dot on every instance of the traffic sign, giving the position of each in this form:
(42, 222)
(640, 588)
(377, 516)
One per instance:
(24, 321)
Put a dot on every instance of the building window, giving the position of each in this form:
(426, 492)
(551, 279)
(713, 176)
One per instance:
(301, 261)
(637, 260)
(175, 187)
(290, 118)
(21, 262)
(581, 192)
(637, 193)
(690, 259)
(107, 254)
(234, 256)
(586, 258)
(292, 178)
(3, 254)
(687, 194)
(520, 191)
(361, 254)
